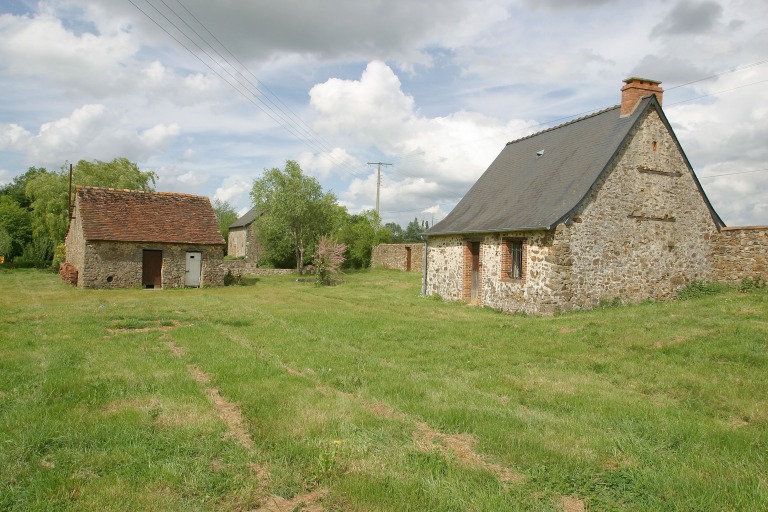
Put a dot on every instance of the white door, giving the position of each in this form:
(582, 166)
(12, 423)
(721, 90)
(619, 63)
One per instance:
(194, 260)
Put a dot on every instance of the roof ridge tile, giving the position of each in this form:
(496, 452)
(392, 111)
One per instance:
(573, 121)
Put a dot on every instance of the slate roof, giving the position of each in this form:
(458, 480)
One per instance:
(132, 216)
(245, 220)
(538, 181)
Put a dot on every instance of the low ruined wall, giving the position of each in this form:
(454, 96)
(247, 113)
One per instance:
(243, 267)
(740, 252)
(395, 256)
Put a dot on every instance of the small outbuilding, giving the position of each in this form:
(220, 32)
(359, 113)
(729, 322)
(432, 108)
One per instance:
(242, 237)
(129, 238)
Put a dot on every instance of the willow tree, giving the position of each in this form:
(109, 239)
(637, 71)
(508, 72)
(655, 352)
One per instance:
(47, 194)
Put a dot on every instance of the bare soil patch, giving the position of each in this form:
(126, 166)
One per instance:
(571, 504)
(307, 502)
(155, 326)
(227, 411)
(462, 446)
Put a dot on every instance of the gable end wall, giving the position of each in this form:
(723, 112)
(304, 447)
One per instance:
(645, 230)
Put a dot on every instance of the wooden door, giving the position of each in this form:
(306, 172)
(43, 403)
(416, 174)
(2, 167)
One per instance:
(407, 259)
(152, 269)
(193, 266)
(474, 248)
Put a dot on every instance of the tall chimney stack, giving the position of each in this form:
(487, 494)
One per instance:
(637, 89)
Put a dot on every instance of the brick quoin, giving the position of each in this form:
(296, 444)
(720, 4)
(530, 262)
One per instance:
(506, 259)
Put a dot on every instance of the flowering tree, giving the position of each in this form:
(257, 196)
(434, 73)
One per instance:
(328, 259)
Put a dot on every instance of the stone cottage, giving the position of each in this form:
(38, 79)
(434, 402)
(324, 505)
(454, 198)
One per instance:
(128, 238)
(601, 208)
(242, 237)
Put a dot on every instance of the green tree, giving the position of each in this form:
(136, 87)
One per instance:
(396, 233)
(225, 216)
(360, 233)
(414, 230)
(47, 194)
(15, 228)
(16, 189)
(296, 213)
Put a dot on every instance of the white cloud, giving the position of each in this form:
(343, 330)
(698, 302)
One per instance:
(91, 132)
(159, 135)
(235, 190)
(40, 45)
(13, 136)
(439, 157)
(324, 164)
(5, 176)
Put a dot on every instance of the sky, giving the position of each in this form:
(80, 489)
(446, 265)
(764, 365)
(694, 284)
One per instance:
(210, 94)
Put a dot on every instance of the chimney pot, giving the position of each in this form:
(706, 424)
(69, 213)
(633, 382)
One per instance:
(637, 89)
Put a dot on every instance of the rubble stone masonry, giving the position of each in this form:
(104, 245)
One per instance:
(395, 256)
(119, 264)
(741, 252)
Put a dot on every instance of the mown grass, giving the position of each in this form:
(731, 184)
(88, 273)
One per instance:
(382, 399)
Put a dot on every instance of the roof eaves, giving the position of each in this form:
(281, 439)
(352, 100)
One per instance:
(487, 231)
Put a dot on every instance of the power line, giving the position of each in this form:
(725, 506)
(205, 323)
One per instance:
(289, 121)
(719, 92)
(731, 173)
(308, 130)
(734, 70)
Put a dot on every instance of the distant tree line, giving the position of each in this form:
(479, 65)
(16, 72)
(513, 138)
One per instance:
(297, 213)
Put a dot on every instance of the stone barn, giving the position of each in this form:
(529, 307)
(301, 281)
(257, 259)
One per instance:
(405, 257)
(242, 237)
(128, 238)
(605, 207)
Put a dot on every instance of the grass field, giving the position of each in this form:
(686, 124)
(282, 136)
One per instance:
(281, 396)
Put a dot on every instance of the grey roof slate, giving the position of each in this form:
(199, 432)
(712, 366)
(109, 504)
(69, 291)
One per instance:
(245, 220)
(525, 189)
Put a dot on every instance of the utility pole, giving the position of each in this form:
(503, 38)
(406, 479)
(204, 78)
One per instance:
(378, 183)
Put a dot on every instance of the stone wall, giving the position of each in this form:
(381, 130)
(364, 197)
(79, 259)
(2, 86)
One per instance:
(741, 252)
(236, 242)
(247, 267)
(395, 256)
(74, 243)
(242, 243)
(119, 264)
(645, 230)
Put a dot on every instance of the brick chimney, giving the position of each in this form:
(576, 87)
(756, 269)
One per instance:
(637, 89)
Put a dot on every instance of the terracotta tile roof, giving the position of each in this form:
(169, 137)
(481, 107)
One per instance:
(134, 216)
